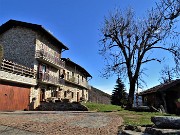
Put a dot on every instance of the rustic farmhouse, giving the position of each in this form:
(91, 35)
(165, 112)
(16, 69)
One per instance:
(165, 95)
(32, 70)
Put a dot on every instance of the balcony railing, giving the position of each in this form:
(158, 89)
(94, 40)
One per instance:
(15, 68)
(47, 78)
(50, 58)
(76, 80)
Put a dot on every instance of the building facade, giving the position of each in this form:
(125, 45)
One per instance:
(33, 48)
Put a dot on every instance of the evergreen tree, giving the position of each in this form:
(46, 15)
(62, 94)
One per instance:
(119, 96)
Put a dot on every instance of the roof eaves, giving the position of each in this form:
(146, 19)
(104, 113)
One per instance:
(68, 60)
(160, 87)
(11, 23)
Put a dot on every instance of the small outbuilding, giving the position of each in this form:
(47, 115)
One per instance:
(165, 95)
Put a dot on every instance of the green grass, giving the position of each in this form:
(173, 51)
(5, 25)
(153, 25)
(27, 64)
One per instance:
(138, 118)
(129, 117)
(101, 107)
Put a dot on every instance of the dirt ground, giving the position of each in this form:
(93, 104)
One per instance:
(59, 123)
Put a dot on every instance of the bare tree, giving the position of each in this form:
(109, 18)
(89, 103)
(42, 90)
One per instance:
(167, 74)
(128, 42)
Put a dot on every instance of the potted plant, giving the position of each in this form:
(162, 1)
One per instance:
(178, 103)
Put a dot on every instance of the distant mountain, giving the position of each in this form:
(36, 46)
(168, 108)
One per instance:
(98, 96)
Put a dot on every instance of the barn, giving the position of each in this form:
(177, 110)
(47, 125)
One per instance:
(165, 95)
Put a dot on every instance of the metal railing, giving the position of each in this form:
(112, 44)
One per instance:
(15, 68)
(76, 80)
(50, 58)
(46, 77)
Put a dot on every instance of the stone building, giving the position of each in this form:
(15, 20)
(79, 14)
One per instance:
(32, 60)
(76, 81)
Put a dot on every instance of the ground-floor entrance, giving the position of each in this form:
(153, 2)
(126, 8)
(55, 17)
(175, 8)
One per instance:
(14, 97)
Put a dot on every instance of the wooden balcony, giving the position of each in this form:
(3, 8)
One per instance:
(11, 71)
(77, 81)
(49, 79)
(50, 59)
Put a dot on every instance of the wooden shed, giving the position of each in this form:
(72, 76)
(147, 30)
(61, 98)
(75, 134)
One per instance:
(163, 95)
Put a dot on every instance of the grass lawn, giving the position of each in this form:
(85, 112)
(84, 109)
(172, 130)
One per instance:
(138, 118)
(129, 117)
(101, 107)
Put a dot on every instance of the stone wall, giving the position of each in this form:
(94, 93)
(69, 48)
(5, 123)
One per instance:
(1, 54)
(34, 97)
(69, 89)
(19, 46)
(98, 96)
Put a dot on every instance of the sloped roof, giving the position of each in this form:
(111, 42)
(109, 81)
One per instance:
(161, 87)
(67, 60)
(38, 28)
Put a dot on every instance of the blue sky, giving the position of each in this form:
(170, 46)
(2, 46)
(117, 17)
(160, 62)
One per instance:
(76, 23)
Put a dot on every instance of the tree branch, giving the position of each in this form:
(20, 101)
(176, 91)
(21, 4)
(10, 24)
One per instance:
(153, 59)
(111, 46)
(116, 65)
(163, 48)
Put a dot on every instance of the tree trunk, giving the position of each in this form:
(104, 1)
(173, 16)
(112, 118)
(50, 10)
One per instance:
(131, 95)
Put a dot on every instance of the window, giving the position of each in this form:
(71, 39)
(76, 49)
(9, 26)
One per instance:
(78, 79)
(82, 79)
(65, 94)
(63, 75)
(72, 74)
(43, 68)
(67, 75)
(53, 93)
(72, 94)
(43, 71)
(64, 72)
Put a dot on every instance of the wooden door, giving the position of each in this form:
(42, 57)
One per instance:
(14, 97)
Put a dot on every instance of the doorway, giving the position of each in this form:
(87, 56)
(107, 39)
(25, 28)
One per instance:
(170, 97)
(42, 95)
(77, 96)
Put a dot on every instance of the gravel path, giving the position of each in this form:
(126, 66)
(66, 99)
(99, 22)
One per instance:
(59, 123)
